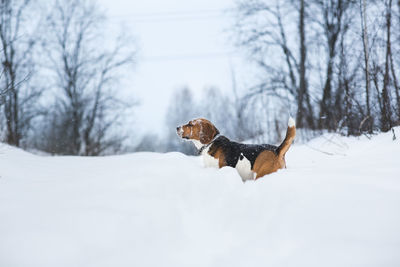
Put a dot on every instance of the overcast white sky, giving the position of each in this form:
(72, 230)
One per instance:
(182, 43)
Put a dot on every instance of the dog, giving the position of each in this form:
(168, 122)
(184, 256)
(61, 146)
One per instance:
(251, 161)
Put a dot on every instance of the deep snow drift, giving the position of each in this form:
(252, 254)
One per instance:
(339, 207)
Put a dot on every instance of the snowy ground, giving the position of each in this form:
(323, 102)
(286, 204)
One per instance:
(339, 207)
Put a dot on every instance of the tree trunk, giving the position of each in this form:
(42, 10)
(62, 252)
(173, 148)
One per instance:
(396, 86)
(363, 8)
(304, 116)
(386, 120)
(326, 119)
(333, 15)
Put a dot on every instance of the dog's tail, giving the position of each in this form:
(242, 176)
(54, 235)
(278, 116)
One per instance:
(290, 134)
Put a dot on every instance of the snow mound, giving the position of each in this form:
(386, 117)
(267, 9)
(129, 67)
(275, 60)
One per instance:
(337, 204)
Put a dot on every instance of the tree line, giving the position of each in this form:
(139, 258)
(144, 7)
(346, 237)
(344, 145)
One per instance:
(59, 77)
(334, 62)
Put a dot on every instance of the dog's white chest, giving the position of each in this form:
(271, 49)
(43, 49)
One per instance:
(208, 160)
(197, 143)
(243, 166)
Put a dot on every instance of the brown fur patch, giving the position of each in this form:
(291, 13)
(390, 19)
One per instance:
(284, 147)
(219, 155)
(268, 162)
(191, 131)
(199, 129)
(208, 132)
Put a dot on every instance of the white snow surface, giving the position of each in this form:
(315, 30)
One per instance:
(337, 204)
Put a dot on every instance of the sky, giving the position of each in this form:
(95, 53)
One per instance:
(181, 43)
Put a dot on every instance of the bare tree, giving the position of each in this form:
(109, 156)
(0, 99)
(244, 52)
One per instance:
(263, 29)
(333, 22)
(18, 97)
(86, 78)
(346, 100)
(266, 30)
(364, 32)
(304, 108)
(386, 119)
(396, 81)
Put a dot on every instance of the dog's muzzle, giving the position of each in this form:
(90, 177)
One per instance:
(179, 131)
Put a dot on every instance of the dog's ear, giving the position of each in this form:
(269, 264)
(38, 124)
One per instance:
(208, 132)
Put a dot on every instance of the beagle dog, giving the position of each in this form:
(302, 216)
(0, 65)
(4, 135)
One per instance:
(251, 161)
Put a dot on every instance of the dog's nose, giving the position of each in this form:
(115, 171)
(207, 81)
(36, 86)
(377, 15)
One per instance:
(177, 128)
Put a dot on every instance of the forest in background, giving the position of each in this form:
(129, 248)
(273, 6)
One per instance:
(333, 65)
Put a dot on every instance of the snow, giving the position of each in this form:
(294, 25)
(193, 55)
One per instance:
(337, 204)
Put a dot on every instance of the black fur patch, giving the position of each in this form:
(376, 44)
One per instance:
(233, 150)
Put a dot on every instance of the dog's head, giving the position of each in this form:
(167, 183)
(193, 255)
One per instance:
(198, 130)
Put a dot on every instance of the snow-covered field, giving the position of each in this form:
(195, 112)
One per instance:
(338, 207)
